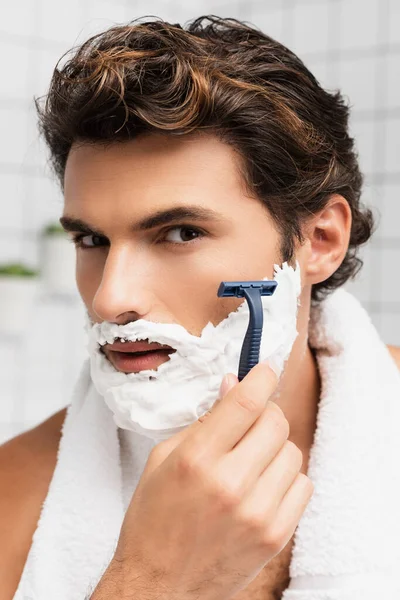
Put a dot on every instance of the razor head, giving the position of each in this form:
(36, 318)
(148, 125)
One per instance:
(237, 288)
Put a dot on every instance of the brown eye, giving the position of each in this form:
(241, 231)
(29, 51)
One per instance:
(96, 241)
(182, 234)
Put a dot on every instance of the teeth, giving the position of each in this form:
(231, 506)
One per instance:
(140, 353)
(123, 340)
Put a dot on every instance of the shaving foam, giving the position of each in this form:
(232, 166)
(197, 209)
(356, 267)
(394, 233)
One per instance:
(158, 403)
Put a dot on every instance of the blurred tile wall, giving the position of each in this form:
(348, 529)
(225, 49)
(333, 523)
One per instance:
(349, 44)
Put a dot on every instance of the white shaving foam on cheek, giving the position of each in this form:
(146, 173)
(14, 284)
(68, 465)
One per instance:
(158, 403)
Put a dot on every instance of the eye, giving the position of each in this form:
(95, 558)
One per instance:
(183, 234)
(179, 235)
(77, 239)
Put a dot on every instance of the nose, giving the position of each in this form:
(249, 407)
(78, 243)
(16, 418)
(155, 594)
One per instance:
(124, 293)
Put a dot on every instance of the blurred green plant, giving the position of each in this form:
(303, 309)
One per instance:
(53, 229)
(17, 270)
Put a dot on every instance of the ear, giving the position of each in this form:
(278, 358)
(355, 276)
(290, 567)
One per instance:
(328, 236)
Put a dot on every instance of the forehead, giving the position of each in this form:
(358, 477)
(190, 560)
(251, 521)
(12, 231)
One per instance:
(151, 163)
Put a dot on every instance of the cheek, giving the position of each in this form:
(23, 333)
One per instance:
(247, 262)
(195, 301)
(89, 272)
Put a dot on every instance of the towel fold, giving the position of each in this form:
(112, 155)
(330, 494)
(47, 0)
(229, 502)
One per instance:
(346, 545)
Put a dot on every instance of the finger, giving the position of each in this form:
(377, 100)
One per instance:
(166, 447)
(293, 505)
(234, 414)
(268, 490)
(257, 449)
(227, 384)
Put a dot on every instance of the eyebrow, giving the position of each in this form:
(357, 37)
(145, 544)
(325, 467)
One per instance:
(163, 217)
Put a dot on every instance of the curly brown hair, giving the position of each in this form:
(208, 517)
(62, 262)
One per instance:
(226, 77)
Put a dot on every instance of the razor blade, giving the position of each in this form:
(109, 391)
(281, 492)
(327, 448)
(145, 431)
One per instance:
(252, 292)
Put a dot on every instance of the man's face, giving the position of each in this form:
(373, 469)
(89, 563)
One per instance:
(170, 272)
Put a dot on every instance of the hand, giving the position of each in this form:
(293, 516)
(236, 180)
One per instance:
(217, 501)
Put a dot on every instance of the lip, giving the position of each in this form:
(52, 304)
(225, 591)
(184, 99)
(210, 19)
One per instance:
(118, 354)
(139, 346)
(129, 363)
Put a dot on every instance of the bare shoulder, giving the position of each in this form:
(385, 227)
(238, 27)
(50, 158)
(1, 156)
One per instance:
(40, 439)
(27, 464)
(28, 459)
(395, 352)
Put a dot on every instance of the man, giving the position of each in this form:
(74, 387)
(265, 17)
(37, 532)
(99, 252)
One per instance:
(220, 119)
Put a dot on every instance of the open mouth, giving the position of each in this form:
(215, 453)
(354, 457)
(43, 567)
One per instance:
(142, 353)
(132, 362)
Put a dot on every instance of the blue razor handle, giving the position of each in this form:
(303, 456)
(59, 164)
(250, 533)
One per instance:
(252, 291)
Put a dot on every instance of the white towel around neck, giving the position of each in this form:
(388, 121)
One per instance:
(347, 543)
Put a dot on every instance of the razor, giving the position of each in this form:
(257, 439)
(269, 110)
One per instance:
(252, 291)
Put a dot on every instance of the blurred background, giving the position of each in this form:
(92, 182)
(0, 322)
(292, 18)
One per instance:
(353, 45)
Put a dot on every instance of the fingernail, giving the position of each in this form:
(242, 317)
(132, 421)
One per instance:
(224, 386)
(272, 365)
(227, 383)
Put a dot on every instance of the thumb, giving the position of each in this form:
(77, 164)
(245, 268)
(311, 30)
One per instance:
(167, 446)
(228, 382)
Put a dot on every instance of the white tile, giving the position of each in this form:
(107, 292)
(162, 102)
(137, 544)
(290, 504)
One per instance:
(30, 252)
(52, 352)
(310, 27)
(18, 248)
(390, 328)
(96, 16)
(393, 82)
(358, 81)
(8, 410)
(14, 128)
(15, 71)
(106, 13)
(390, 266)
(361, 286)
(49, 344)
(44, 398)
(61, 21)
(358, 23)
(36, 154)
(321, 71)
(370, 194)
(46, 59)
(46, 203)
(12, 190)
(18, 17)
(364, 134)
(269, 21)
(10, 430)
(371, 198)
(394, 22)
(10, 249)
(389, 207)
(392, 146)
(8, 349)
